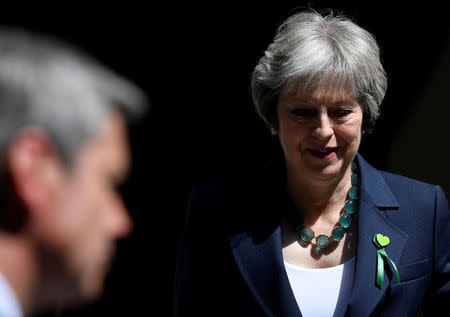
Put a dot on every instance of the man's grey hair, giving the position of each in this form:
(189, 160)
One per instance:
(50, 84)
(310, 50)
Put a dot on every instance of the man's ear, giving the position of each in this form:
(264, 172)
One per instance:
(34, 168)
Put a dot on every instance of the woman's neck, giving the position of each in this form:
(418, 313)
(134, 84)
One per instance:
(316, 197)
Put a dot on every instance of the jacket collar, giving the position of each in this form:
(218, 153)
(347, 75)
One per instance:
(261, 264)
(259, 258)
(257, 247)
(376, 197)
(373, 183)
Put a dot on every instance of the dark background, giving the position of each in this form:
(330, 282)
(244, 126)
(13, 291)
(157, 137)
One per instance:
(195, 61)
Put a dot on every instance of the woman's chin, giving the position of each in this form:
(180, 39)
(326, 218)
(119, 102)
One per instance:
(330, 170)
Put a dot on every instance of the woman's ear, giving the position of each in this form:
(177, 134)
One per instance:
(34, 168)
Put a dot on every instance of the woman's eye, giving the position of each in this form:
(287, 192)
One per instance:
(342, 112)
(303, 112)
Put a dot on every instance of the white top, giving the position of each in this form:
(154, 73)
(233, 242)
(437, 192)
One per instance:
(9, 304)
(319, 291)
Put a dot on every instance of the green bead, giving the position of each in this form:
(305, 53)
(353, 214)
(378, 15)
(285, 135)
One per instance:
(354, 166)
(355, 180)
(345, 220)
(351, 206)
(306, 234)
(353, 193)
(338, 233)
(322, 241)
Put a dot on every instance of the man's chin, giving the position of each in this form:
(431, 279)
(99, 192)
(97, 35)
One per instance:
(63, 296)
(93, 287)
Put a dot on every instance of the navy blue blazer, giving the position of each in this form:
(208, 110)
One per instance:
(230, 260)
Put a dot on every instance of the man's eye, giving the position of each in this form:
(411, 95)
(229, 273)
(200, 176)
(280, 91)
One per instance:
(120, 188)
(303, 112)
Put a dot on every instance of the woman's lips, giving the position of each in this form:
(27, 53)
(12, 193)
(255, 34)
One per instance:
(323, 152)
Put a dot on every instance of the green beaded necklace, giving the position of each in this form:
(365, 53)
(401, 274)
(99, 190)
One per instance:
(306, 234)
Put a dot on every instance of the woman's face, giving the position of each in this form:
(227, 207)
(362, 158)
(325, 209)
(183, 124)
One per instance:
(320, 131)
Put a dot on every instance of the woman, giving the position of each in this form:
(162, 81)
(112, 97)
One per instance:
(321, 233)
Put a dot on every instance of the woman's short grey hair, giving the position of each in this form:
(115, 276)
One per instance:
(320, 50)
(54, 86)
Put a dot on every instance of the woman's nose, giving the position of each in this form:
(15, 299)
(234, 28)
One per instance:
(322, 128)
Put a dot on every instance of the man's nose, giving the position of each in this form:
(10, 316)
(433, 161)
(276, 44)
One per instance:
(120, 222)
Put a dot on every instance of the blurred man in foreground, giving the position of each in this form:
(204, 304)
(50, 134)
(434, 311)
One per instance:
(63, 151)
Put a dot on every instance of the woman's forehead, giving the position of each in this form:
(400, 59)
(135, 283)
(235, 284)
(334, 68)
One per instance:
(321, 85)
(320, 94)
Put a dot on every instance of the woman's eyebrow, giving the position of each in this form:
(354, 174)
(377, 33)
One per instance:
(345, 102)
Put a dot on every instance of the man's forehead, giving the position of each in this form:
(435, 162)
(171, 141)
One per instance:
(109, 148)
(119, 145)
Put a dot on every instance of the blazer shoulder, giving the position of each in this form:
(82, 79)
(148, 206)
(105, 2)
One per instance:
(239, 188)
(219, 192)
(237, 201)
(410, 191)
(400, 180)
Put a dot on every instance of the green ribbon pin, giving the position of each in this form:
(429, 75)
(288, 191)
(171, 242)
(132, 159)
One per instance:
(380, 242)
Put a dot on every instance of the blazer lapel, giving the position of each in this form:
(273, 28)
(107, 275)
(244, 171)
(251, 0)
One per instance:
(262, 267)
(257, 251)
(375, 198)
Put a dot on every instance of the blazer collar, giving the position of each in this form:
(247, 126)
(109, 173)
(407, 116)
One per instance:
(261, 264)
(375, 186)
(376, 198)
(259, 258)
(257, 248)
